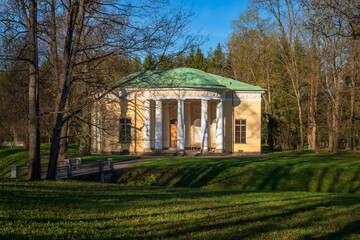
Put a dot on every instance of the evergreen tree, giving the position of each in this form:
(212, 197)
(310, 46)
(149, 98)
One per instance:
(196, 60)
(149, 63)
(179, 61)
(217, 61)
(190, 59)
(200, 61)
(165, 63)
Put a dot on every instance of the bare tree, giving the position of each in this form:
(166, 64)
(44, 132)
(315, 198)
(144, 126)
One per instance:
(252, 55)
(97, 30)
(328, 24)
(19, 31)
(34, 124)
(287, 13)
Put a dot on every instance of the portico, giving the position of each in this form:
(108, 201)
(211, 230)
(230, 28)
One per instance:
(176, 119)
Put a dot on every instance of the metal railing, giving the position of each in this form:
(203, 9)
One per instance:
(68, 169)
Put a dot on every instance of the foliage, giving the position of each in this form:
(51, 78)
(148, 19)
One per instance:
(149, 63)
(14, 103)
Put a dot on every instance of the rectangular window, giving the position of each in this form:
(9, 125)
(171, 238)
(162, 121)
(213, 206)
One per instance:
(125, 130)
(240, 131)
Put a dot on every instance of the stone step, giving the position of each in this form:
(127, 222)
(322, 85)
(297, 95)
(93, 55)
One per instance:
(169, 153)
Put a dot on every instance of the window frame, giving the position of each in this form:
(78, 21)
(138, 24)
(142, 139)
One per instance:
(125, 130)
(239, 138)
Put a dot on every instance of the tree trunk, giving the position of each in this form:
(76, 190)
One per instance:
(34, 171)
(84, 148)
(26, 140)
(352, 107)
(85, 135)
(63, 142)
(56, 137)
(312, 115)
(75, 10)
(330, 128)
(270, 138)
(301, 126)
(335, 126)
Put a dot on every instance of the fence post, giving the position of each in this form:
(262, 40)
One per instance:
(14, 171)
(101, 170)
(78, 163)
(69, 169)
(111, 163)
(66, 162)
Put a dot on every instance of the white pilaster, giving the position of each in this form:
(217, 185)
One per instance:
(147, 143)
(158, 125)
(204, 126)
(180, 126)
(220, 126)
(187, 124)
(166, 125)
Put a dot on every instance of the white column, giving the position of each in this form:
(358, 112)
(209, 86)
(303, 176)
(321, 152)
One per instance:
(147, 143)
(187, 124)
(180, 126)
(166, 125)
(204, 126)
(158, 125)
(220, 126)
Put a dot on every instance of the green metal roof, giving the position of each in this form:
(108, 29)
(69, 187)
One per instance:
(183, 78)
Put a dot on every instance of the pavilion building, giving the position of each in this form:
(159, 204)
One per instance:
(178, 109)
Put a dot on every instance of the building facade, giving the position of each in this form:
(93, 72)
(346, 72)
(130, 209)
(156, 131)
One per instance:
(179, 109)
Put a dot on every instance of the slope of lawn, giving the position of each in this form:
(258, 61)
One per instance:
(19, 156)
(15, 156)
(279, 172)
(86, 210)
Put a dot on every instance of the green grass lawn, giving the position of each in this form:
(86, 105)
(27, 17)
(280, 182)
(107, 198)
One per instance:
(280, 172)
(86, 210)
(19, 156)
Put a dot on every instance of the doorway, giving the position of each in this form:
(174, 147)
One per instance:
(173, 133)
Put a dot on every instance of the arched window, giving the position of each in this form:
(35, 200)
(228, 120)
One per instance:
(197, 130)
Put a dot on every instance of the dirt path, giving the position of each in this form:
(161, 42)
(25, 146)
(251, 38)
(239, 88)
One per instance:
(130, 163)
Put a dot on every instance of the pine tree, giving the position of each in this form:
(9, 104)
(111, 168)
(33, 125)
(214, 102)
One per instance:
(190, 59)
(179, 61)
(149, 63)
(217, 61)
(165, 63)
(200, 61)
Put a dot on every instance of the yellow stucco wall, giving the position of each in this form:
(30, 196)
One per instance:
(251, 112)
(110, 112)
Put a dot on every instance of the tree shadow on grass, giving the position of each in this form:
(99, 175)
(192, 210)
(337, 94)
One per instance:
(244, 176)
(106, 199)
(200, 177)
(270, 222)
(13, 237)
(349, 229)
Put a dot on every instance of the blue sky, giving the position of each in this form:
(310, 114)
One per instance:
(214, 18)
